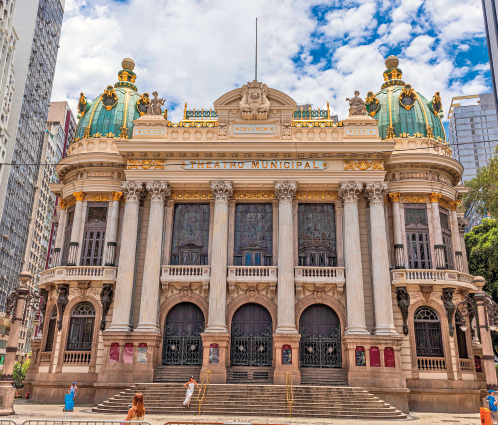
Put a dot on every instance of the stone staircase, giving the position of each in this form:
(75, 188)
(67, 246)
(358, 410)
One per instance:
(257, 400)
(249, 375)
(324, 377)
(177, 374)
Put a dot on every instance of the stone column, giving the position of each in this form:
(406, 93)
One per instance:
(7, 391)
(59, 239)
(455, 236)
(168, 237)
(339, 232)
(222, 191)
(462, 223)
(349, 191)
(384, 320)
(231, 232)
(112, 237)
(286, 321)
(275, 233)
(399, 250)
(149, 302)
(133, 190)
(438, 236)
(74, 244)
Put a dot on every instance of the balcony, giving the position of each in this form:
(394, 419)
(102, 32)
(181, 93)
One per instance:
(185, 276)
(76, 358)
(45, 358)
(319, 276)
(252, 276)
(77, 273)
(441, 278)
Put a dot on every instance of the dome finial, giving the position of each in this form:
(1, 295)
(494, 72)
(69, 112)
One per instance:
(392, 62)
(128, 64)
(126, 76)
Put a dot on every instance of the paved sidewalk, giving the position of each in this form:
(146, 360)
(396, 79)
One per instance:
(27, 410)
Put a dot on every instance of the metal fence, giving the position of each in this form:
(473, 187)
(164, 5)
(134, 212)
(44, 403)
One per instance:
(73, 422)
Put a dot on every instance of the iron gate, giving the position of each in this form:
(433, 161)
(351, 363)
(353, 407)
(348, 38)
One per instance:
(251, 350)
(184, 349)
(321, 351)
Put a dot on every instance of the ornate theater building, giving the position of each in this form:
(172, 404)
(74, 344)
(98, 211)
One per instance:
(256, 238)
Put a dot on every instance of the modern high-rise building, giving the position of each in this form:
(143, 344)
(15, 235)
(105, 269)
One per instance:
(38, 25)
(489, 8)
(473, 137)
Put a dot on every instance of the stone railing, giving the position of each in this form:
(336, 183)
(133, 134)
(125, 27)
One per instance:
(77, 357)
(466, 365)
(185, 276)
(431, 364)
(45, 358)
(251, 276)
(76, 273)
(319, 276)
(432, 277)
(93, 145)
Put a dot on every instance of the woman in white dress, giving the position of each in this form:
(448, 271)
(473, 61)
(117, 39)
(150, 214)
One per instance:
(190, 390)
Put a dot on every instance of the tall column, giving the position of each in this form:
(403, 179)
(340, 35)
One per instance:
(112, 237)
(455, 236)
(124, 284)
(399, 250)
(384, 320)
(222, 191)
(275, 233)
(462, 223)
(439, 261)
(231, 232)
(352, 251)
(149, 302)
(74, 244)
(339, 231)
(59, 238)
(168, 236)
(286, 321)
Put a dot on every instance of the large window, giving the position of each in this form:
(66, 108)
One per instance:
(49, 345)
(461, 337)
(81, 327)
(94, 236)
(253, 235)
(446, 233)
(67, 235)
(428, 333)
(190, 235)
(417, 237)
(316, 228)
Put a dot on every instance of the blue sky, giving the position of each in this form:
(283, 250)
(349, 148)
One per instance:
(315, 50)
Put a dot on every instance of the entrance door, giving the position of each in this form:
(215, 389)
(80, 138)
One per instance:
(251, 343)
(182, 343)
(320, 344)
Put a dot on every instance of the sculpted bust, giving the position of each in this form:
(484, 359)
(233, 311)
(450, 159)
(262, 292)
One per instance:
(356, 105)
(254, 103)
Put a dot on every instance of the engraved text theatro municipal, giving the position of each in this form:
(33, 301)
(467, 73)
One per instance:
(255, 165)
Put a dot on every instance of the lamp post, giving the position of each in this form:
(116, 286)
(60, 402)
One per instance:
(17, 306)
(480, 305)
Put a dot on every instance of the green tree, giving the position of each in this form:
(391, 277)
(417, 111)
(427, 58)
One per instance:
(19, 374)
(483, 189)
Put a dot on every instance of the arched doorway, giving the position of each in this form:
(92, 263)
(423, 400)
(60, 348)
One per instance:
(251, 342)
(182, 342)
(320, 344)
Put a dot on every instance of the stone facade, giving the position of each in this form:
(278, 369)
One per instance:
(320, 243)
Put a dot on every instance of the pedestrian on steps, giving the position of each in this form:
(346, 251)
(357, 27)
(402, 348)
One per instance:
(137, 411)
(190, 390)
(73, 390)
(492, 406)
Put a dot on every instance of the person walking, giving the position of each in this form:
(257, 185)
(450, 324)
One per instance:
(73, 390)
(190, 390)
(492, 406)
(137, 410)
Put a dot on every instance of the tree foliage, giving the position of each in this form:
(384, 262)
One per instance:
(483, 189)
(19, 374)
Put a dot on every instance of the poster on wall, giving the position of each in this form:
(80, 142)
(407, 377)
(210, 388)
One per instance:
(142, 353)
(214, 354)
(128, 353)
(286, 354)
(114, 353)
(360, 356)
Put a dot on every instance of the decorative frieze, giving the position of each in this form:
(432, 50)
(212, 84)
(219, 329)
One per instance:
(317, 196)
(98, 197)
(145, 164)
(350, 165)
(254, 195)
(414, 199)
(434, 197)
(189, 195)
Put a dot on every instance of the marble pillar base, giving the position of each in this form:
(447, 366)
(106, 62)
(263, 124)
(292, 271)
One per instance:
(280, 372)
(148, 328)
(217, 329)
(356, 331)
(218, 373)
(286, 330)
(118, 327)
(7, 396)
(385, 331)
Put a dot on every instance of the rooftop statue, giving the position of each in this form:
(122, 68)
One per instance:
(154, 107)
(356, 105)
(254, 103)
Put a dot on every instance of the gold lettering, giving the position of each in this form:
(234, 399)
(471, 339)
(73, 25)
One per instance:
(200, 164)
(192, 163)
(273, 165)
(307, 165)
(314, 165)
(232, 165)
(255, 164)
(217, 165)
(299, 163)
(286, 165)
(241, 165)
(265, 164)
(208, 164)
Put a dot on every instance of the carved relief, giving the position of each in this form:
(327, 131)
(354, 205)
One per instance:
(222, 190)
(62, 301)
(316, 196)
(349, 191)
(462, 223)
(132, 190)
(449, 307)
(376, 191)
(403, 299)
(222, 127)
(363, 165)
(145, 164)
(414, 199)
(285, 190)
(286, 127)
(185, 195)
(253, 195)
(356, 105)
(254, 104)
(106, 296)
(158, 190)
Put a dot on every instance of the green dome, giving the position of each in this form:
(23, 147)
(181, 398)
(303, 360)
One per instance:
(112, 113)
(403, 112)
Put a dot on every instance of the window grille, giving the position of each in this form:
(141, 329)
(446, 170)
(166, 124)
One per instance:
(428, 337)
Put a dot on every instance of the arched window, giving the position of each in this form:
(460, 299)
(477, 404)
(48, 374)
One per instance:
(51, 330)
(461, 337)
(81, 327)
(428, 333)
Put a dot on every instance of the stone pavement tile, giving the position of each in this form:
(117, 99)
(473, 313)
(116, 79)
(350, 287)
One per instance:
(29, 411)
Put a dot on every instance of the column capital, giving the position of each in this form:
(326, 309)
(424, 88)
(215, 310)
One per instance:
(462, 223)
(285, 190)
(55, 219)
(116, 196)
(376, 191)
(395, 197)
(454, 205)
(222, 190)
(158, 190)
(80, 196)
(170, 203)
(63, 204)
(434, 197)
(133, 190)
(349, 191)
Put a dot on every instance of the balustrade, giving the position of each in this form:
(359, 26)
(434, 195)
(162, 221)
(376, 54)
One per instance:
(45, 359)
(432, 277)
(466, 365)
(77, 357)
(60, 274)
(431, 364)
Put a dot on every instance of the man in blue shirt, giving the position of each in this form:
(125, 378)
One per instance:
(492, 405)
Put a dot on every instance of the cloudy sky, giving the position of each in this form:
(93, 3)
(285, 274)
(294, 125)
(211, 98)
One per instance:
(314, 50)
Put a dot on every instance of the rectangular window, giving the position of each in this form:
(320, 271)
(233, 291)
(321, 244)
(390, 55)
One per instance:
(417, 237)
